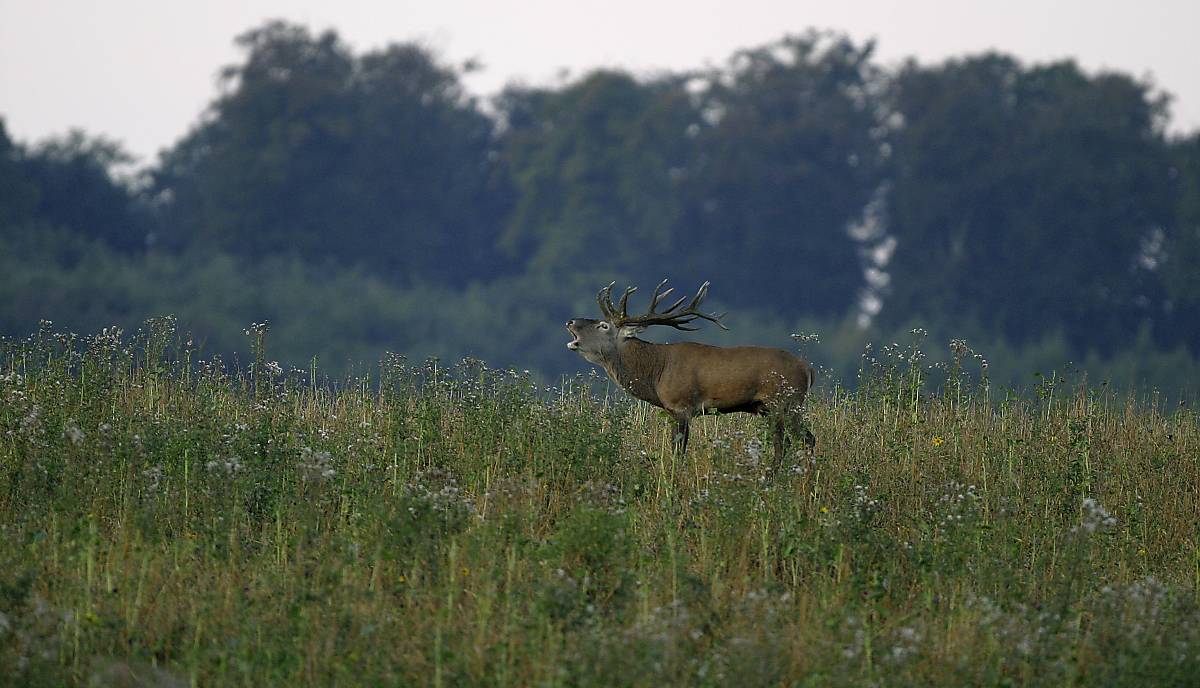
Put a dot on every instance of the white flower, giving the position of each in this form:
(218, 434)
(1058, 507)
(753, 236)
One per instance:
(1095, 518)
(72, 431)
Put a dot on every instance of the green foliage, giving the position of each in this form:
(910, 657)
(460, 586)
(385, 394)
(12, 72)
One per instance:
(79, 189)
(185, 507)
(344, 319)
(379, 160)
(465, 526)
(1028, 199)
(592, 166)
(71, 183)
(1180, 278)
(791, 155)
(360, 202)
(18, 194)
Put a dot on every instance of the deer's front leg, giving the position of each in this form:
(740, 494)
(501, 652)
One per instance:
(681, 433)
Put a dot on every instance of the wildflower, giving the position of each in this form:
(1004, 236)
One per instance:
(907, 644)
(154, 475)
(937, 441)
(73, 432)
(866, 505)
(257, 329)
(1095, 517)
(231, 465)
(317, 465)
(824, 509)
(754, 449)
(29, 424)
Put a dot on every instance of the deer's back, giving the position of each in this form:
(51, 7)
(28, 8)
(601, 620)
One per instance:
(735, 378)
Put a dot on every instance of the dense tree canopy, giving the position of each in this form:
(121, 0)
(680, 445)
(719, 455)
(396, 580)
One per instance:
(792, 153)
(77, 189)
(380, 160)
(1027, 199)
(18, 194)
(802, 178)
(1181, 276)
(596, 169)
(71, 183)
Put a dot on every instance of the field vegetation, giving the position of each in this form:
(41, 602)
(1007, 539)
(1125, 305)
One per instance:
(177, 521)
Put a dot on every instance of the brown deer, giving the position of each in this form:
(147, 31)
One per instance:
(687, 378)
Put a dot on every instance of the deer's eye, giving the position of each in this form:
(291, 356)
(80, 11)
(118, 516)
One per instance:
(602, 325)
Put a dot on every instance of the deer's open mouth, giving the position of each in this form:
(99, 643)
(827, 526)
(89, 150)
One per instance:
(574, 343)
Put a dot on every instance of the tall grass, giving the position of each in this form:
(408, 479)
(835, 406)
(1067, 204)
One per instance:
(183, 522)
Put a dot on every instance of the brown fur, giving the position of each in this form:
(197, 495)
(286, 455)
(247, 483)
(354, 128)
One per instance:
(688, 379)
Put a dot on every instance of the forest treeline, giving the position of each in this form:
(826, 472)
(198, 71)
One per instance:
(364, 202)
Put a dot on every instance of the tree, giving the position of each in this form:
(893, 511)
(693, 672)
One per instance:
(1181, 276)
(1025, 200)
(70, 184)
(381, 160)
(429, 153)
(18, 195)
(596, 167)
(259, 175)
(791, 152)
(77, 189)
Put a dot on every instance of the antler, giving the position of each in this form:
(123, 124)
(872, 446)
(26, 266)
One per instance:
(673, 316)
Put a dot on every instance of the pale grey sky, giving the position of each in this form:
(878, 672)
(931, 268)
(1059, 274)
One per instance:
(141, 71)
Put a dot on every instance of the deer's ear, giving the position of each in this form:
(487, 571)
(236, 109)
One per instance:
(630, 331)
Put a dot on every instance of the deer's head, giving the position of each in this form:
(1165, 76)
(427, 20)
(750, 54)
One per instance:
(601, 341)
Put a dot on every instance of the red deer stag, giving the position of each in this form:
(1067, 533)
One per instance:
(688, 378)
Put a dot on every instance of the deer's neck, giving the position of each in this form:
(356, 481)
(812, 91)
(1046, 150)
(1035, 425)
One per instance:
(636, 368)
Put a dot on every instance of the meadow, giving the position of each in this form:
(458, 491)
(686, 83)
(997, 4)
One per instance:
(171, 521)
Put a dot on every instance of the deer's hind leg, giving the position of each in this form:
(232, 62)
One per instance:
(779, 426)
(788, 424)
(800, 430)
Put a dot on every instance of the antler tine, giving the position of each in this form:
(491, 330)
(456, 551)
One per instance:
(675, 305)
(711, 317)
(604, 299)
(673, 317)
(625, 302)
(656, 297)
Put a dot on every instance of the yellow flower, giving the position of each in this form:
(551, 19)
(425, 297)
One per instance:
(937, 441)
(824, 509)
(403, 579)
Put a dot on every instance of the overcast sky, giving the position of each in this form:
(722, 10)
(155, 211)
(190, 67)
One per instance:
(142, 71)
